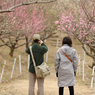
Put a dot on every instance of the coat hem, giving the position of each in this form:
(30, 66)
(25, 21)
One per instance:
(66, 85)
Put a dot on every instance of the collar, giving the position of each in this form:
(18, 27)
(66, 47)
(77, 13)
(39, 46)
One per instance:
(65, 44)
(36, 43)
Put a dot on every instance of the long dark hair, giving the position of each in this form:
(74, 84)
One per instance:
(67, 40)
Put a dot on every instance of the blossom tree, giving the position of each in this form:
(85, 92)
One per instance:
(18, 3)
(22, 24)
(79, 21)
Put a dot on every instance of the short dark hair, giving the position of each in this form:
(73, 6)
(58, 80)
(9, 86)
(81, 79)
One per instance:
(67, 40)
(36, 40)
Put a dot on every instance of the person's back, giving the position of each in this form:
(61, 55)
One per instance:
(38, 49)
(64, 67)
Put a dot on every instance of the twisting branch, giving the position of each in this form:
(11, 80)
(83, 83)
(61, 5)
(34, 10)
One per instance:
(88, 52)
(22, 4)
(49, 35)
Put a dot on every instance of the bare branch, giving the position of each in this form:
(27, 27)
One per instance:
(48, 35)
(5, 43)
(22, 4)
(87, 52)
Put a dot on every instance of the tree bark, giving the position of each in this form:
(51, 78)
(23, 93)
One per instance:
(27, 44)
(93, 63)
(0, 4)
(12, 51)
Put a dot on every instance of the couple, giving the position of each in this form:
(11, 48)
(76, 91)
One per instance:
(65, 69)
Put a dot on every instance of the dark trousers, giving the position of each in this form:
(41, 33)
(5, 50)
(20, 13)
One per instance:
(71, 90)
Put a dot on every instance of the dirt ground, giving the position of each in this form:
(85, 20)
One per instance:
(19, 86)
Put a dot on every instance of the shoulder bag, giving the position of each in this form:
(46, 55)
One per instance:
(42, 70)
(69, 59)
(66, 55)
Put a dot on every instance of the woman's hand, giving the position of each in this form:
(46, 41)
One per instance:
(74, 73)
(56, 74)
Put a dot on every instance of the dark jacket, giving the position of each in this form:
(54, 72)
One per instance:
(38, 53)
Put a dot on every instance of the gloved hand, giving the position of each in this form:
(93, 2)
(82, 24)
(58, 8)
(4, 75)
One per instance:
(74, 73)
(56, 74)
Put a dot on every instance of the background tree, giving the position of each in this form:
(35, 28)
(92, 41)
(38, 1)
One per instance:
(79, 21)
(21, 24)
(18, 3)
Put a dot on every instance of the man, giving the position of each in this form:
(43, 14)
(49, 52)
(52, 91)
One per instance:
(38, 49)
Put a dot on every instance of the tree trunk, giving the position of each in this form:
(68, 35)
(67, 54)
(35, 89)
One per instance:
(27, 44)
(93, 63)
(0, 4)
(11, 51)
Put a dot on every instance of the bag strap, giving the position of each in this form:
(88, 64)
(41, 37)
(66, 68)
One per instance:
(32, 56)
(66, 55)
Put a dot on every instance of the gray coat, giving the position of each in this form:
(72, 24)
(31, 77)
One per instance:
(64, 67)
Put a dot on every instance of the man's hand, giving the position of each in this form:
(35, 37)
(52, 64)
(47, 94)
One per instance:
(41, 41)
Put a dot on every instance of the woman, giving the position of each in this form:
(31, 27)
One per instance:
(65, 69)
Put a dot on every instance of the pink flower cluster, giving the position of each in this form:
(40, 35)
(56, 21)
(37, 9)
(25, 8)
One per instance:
(27, 22)
(76, 22)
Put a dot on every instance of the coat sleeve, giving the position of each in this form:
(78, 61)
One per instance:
(28, 50)
(57, 61)
(44, 48)
(75, 61)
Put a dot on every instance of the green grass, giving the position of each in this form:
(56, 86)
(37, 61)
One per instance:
(1, 64)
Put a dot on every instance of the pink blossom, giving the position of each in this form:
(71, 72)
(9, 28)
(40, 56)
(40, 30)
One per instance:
(77, 25)
(58, 28)
(88, 41)
(66, 26)
(26, 22)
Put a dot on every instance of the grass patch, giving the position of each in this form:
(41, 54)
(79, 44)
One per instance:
(1, 64)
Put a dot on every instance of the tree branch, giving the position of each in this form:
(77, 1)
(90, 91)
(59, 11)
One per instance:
(87, 52)
(48, 36)
(22, 4)
(5, 43)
